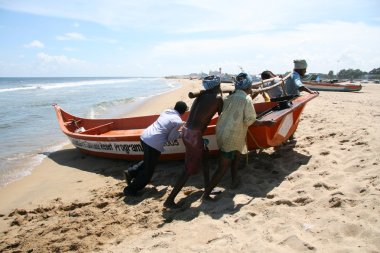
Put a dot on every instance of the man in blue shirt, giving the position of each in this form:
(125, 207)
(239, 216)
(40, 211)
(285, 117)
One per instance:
(165, 128)
(294, 84)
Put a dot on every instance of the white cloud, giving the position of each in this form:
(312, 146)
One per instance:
(71, 36)
(35, 43)
(254, 34)
(354, 45)
(187, 16)
(60, 59)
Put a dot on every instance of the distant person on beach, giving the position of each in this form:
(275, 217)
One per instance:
(275, 92)
(294, 84)
(202, 110)
(166, 128)
(231, 130)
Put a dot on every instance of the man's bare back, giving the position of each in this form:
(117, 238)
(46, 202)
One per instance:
(204, 108)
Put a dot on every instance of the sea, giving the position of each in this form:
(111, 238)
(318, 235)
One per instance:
(29, 129)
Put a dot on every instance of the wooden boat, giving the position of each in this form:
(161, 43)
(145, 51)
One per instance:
(332, 86)
(120, 138)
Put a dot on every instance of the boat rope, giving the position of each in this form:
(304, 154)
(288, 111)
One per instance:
(254, 140)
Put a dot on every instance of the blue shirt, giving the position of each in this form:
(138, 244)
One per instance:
(164, 129)
(293, 84)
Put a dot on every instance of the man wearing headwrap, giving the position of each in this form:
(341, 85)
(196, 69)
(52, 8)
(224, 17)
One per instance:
(231, 130)
(202, 110)
(294, 84)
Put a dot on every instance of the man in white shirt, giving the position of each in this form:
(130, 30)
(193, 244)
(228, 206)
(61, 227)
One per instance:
(165, 128)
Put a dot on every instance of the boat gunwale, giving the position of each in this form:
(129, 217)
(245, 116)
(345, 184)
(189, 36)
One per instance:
(266, 120)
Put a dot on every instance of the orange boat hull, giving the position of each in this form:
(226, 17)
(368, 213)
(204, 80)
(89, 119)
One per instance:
(120, 138)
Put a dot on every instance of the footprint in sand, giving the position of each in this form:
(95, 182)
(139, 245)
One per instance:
(303, 201)
(339, 202)
(296, 244)
(223, 240)
(245, 218)
(160, 234)
(283, 202)
(327, 187)
(324, 173)
(324, 153)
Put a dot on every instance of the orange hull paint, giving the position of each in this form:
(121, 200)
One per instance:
(120, 138)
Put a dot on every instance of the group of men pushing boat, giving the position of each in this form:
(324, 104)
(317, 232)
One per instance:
(236, 114)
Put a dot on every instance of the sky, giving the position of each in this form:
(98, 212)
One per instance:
(145, 38)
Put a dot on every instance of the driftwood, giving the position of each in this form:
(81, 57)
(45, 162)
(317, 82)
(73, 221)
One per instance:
(256, 87)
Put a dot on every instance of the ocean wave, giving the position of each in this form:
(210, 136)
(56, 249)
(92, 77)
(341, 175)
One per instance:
(18, 89)
(61, 85)
(102, 107)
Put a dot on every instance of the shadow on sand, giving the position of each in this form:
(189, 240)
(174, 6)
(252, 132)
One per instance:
(262, 172)
(104, 166)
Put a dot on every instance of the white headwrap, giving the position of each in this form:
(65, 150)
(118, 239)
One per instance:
(300, 64)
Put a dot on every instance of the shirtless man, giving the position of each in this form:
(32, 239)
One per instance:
(203, 109)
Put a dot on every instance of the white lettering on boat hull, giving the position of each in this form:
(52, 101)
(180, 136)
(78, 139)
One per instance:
(134, 147)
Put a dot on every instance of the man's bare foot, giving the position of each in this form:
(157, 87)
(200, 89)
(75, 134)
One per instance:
(208, 198)
(216, 191)
(171, 205)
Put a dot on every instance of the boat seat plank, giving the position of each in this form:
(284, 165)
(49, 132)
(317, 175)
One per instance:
(92, 130)
(125, 132)
(71, 121)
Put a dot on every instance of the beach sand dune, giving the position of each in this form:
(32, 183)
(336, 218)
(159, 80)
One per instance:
(319, 193)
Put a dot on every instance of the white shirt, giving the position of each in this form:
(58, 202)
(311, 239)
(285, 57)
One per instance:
(164, 129)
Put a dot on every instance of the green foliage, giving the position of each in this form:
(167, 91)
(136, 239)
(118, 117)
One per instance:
(351, 73)
(375, 71)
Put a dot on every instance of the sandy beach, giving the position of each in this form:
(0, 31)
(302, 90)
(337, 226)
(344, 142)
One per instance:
(320, 193)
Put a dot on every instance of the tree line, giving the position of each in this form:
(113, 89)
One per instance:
(352, 74)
